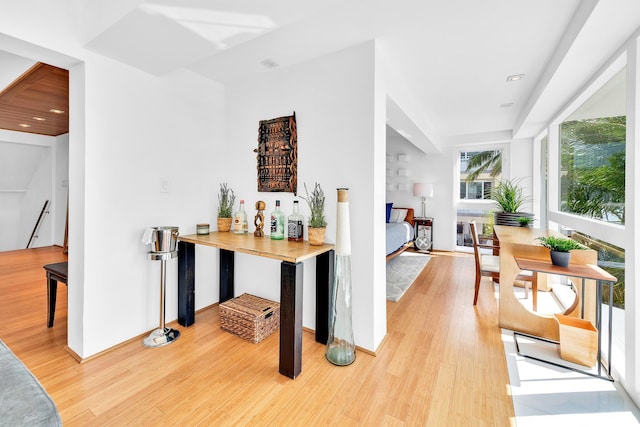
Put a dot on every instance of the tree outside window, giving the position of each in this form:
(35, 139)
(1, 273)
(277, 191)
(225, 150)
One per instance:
(479, 172)
(592, 181)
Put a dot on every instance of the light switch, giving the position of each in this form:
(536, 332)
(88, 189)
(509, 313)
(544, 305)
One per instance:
(164, 185)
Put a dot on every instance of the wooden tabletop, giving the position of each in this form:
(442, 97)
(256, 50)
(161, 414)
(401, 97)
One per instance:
(588, 271)
(521, 235)
(283, 250)
(59, 268)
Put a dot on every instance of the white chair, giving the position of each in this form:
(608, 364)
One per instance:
(489, 266)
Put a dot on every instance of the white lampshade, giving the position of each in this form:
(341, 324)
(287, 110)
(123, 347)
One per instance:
(422, 190)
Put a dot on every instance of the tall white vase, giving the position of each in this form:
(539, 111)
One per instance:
(341, 348)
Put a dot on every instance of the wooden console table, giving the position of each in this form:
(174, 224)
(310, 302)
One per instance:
(291, 255)
(584, 272)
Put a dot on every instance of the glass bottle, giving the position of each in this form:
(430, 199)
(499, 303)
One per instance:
(294, 224)
(341, 348)
(240, 225)
(277, 223)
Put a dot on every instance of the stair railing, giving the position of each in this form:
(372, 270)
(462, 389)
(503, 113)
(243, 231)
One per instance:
(43, 212)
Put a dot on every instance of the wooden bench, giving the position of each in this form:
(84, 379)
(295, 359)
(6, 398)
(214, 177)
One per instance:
(55, 273)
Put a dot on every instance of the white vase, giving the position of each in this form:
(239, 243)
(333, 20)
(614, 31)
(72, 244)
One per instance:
(341, 348)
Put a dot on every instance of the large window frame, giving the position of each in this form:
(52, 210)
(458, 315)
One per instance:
(624, 236)
(614, 233)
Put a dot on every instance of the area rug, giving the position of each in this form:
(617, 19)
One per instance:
(402, 272)
(23, 401)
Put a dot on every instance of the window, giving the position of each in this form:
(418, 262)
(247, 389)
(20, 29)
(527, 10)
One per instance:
(592, 155)
(479, 172)
(475, 190)
(589, 153)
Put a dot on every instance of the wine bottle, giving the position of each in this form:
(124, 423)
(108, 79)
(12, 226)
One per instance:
(294, 224)
(277, 223)
(240, 225)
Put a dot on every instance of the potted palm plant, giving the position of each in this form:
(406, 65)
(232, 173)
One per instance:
(226, 199)
(317, 222)
(560, 249)
(509, 196)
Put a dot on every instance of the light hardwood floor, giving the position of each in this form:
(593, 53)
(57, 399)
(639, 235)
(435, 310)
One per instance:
(441, 364)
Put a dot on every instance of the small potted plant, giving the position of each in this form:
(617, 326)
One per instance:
(525, 221)
(317, 221)
(226, 199)
(560, 247)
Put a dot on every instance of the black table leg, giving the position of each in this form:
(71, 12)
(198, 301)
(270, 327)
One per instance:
(226, 275)
(324, 285)
(52, 293)
(291, 319)
(186, 283)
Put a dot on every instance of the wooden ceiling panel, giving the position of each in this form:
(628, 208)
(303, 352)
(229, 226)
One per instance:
(35, 93)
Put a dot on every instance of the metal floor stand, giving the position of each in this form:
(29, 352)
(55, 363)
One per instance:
(163, 335)
(607, 376)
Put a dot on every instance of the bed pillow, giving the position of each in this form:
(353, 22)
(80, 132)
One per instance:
(397, 215)
(389, 206)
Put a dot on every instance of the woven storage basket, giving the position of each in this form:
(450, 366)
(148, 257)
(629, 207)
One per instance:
(250, 317)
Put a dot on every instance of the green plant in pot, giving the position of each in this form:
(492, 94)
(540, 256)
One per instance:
(317, 222)
(226, 199)
(509, 196)
(525, 221)
(560, 249)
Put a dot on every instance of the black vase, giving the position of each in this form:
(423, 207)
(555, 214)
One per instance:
(561, 259)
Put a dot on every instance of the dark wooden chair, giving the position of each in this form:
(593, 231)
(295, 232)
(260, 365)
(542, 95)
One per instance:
(488, 265)
(55, 273)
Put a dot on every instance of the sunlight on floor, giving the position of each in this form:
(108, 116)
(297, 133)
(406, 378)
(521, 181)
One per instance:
(547, 395)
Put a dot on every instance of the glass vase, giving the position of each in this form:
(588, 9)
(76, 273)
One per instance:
(341, 348)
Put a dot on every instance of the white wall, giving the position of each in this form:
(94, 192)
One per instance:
(26, 162)
(38, 192)
(521, 168)
(128, 129)
(60, 186)
(140, 129)
(9, 218)
(333, 98)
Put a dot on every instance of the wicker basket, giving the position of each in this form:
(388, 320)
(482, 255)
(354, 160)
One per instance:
(249, 317)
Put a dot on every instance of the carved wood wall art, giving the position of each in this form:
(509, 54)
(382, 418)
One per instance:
(277, 155)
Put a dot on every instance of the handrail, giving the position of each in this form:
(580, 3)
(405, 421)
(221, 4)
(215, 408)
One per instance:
(35, 229)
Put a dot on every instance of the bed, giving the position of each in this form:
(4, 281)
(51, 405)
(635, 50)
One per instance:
(400, 230)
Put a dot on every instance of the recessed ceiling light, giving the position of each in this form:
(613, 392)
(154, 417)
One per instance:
(515, 77)
(39, 119)
(24, 125)
(506, 105)
(53, 110)
(269, 63)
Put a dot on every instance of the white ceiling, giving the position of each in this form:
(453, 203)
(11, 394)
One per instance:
(451, 56)
(11, 67)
